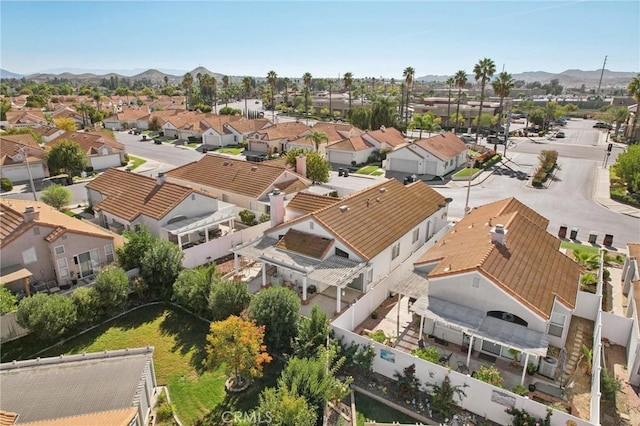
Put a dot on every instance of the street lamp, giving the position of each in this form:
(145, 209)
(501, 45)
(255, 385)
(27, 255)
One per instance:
(26, 159)
(470, 160)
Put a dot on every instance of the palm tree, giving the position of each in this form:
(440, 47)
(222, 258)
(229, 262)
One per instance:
(426, 122)
(286, 82)
(246, 86)
(272, 79)
(306, 78)
(187, 84)
(408, 75)
(483, 71)
(619, 115)
(166, 80)
(225, 86)
(528, 107)
(213, 83)
(460, 81)
(450, 84)
(502, 86)
(330, 84)
(634, 91)
(348, 80)
(317, 138)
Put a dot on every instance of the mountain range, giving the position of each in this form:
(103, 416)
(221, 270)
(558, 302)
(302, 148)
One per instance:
(568, 78)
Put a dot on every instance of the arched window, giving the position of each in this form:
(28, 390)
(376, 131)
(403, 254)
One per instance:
(508, 317)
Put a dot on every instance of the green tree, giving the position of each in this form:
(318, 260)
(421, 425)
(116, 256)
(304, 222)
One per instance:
(138, 241)
(292, 154)
(284, 407)
(633, 89)
(278, 309)
(272, 79)
(160, 266)
(317, 138)
(383, 112)
(317, 168)
(57, 196)
(347, 80)
(246, 90)
(111, 289)
(312, 333)
(227, 298)
(523, 418)
(47, 316)
(306, 78)
(443, 397)
(360, 117)
(187, 85)
(502, 86)
(426, 121)
(460, 81)
(628, 168)
(86, 303)
(68, 156)
(408, 75)
(483, 71)
(5, 107)
(8, 300)
(191, 290)
(65, 123)
(618, 114)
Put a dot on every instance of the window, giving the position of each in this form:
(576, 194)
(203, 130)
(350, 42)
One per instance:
(36, 230)
(476, 282)
(63, 268)
(395, 251)
(491, 347)
(416, 235)
(341, 253)
(108, 251)
(556, 328)
(59, 250)
(29, 256)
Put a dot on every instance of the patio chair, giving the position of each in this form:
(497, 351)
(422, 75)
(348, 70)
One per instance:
(444, 359)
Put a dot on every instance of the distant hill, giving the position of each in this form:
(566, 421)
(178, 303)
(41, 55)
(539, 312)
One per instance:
(9, 74)
(568, 78)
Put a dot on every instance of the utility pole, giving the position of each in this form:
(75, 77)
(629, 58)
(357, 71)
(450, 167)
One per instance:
(601, 74)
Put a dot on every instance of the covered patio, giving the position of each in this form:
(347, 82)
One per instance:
(301, 273)
(188, 232)
(14, 276)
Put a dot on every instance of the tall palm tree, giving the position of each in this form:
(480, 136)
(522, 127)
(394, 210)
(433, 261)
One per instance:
(427, 122)
(166, 80)
(225, 87)
(348, 81)
(618, 114)
(287, 83)
(483, 71)
(317, 138)
(306, 78)
(528, 107)
(272, 79)
(330, 84)
(460, 81)
(634, 91)
(187, 84)
(502, 86)
(450, 84)
(213, 84)
(246, 88)
(408, 75)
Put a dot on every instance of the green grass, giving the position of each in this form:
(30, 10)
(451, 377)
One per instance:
(466, 172)
(371, 409)
(179, 340)
(193, 144)
(377, 173)
(581, 247)
(136, 161)
(69, 213)
(230, 150)
(367, 170)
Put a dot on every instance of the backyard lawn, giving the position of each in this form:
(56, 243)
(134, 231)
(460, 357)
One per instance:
(230, 150)
(179, 340)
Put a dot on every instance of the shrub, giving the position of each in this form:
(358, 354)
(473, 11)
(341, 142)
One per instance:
(247, 217)
(430, 354)
(88, 169)
(8, 301)
(610, 385)
(378, 336)
(490, 375)
(6, 184)
(47, 316)
(519, 390)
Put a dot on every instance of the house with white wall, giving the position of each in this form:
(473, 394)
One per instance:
(101, 150)
(335, 132)
(126, 118)
(498, 281)
(437, 156)
(350, 151)
(241, 129)
(121, 200)
(21, 158)
(275, 138)
(351, 242)
(385, 138)
(631, 288)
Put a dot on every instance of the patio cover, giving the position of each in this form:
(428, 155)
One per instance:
(199, 222)
(13, 273)
(412, 284)
(475, 323)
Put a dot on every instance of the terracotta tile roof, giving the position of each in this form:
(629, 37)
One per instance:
(278, 162)
(129, 195)
(130, 114)
(291, 186)
(335, 133)
(7, 418)
(47, 130)
(305, 244)
(529, 267)
(376, 217)
(283, 130)
(26, 116)
(187, 120)
(14, 225)
(308, 202)
(89, 142)
(443, 146)
(354, 143)
(235, 176)
(122, 417)
(10, 145)
(217, 122)
(248, 126)
(389, 135)
(633, 250)
(25, 139)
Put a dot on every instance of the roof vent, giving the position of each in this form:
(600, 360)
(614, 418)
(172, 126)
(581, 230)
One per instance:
(226, 163)
(383, 190)
(29, 209)
(254, 168)
(344, 208)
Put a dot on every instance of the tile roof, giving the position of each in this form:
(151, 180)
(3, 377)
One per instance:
(308, 202)
(633, 250)
(288, 130)
(376, 217)
(235, 176)
(121, 417)
(529, 267)
(354, 143)
(14, 225)
(306, 244)
(7, 418)
(129, 195)
(335, 132)
(130, 114)
(291, 186)
(89, 142)
(10, 145)
(248, 126)
(443, 146)
(47, 130)
(217, 122)
(389, 135)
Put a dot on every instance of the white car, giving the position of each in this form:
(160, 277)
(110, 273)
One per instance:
(467, 138)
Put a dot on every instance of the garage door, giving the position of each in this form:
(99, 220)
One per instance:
(406, 166)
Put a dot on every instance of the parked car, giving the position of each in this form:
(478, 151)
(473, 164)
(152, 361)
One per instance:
(467, 138)
(602, 125)
(495, 139)
(560, 135)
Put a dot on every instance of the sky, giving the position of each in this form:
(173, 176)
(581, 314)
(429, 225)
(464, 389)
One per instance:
(325, 38)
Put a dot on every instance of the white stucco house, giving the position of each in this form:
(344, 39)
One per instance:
(631, 287)
(21, 158)
(102, 151)
(437, 156)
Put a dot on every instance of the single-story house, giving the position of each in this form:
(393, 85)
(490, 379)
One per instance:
(275, 138)
(125, 119)
(352, 150)
(21, 158)
(102, 151)
(438, 155)
(32, 117)
(335, 132)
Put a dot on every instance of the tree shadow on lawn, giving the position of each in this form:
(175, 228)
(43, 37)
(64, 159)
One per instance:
(189, 334)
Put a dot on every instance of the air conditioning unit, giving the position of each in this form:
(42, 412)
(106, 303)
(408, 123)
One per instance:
(548, 367)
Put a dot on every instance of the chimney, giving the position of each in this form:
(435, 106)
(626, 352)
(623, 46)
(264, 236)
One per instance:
(499, 235)
(30, 214)
(276, 204)
(161, 179)
(301, 165)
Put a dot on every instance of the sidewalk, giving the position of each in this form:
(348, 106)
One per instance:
(602, 197)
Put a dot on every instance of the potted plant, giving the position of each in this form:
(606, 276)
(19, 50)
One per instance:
(532, 368)
(588, 354)
(515, 353)
(374, 314)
